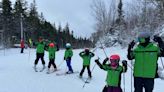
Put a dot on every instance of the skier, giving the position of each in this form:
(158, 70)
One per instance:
(40, 47)
(86, 56)
(52, 50)
(22, 46)
(146, 56)
(67, 56)
(114, 71)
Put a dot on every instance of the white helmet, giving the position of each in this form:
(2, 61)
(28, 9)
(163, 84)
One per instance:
(68, 45)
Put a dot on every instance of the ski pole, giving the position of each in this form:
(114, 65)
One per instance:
(91, 71)
(124, 81)
(131, 78)
(94, 49)
(106, 55)
(60, 64)
(162, 63)
(30, 46)
(130, 67)
(29, 54)
(88, 77)
(103, 49)
(4, 50)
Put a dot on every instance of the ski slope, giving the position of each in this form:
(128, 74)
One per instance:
(17, 74)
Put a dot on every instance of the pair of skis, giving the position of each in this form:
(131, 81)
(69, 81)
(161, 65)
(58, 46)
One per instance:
(58, 74)
(65, 73)
(36, 70)
(50, 72)
(85, 80)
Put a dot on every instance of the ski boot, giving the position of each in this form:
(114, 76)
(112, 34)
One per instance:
(35, 68)
(69, 72)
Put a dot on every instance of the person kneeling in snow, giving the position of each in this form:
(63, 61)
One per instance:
(67, 56)
(114, 71)
(52, 50)
(86, 56)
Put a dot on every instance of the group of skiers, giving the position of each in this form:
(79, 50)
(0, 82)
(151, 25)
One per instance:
(144, 52)
(41, 46)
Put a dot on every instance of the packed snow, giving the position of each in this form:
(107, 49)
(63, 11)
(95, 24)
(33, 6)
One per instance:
(17, 73)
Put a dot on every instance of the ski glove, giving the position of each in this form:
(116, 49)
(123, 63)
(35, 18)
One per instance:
(57, 48)
(98, 63)
(124, 63)
(160, 43)
(131, 45)
(69, 58)
(97, 60)
(92, 54)
(157, 39)
(105, 60)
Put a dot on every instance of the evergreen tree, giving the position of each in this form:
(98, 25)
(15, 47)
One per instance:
(121, 25)
(19, 15)
(7, 20)
(1, 16)
(33, 20)
(35, 25)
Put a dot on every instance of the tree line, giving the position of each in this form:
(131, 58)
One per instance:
(34, 26)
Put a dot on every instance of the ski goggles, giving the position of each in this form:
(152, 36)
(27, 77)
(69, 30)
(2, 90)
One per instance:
(114, 60)
(141, 40)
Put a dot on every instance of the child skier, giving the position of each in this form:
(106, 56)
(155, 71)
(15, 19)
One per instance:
(114, 71)
(67, 56)
(86, 56)
(40, 47)
(52, 50)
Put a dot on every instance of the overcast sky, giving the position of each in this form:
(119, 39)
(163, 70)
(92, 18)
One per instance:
(76, 12)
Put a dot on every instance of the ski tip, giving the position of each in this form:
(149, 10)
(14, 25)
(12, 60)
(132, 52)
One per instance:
(86, 82)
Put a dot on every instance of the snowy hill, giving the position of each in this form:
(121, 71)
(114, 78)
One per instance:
(17, 74)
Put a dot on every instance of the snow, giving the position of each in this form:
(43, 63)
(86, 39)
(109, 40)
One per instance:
(17, 74)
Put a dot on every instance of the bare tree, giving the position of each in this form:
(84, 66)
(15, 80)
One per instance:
(113, 23)
(105, 16)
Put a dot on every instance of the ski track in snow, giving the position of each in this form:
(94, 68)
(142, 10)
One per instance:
(17, 73)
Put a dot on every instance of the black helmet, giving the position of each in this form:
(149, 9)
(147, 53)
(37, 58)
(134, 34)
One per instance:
(87, 51)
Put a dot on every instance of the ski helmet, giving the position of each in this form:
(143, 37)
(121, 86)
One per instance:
(52, 45)
(114, 58)
(86, 49)
(68, 45)
(40, 39)
(144, 37)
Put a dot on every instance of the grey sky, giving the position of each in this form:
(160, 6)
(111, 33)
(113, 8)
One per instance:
(76, 12)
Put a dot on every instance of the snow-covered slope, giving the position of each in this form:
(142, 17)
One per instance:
(17, 74)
